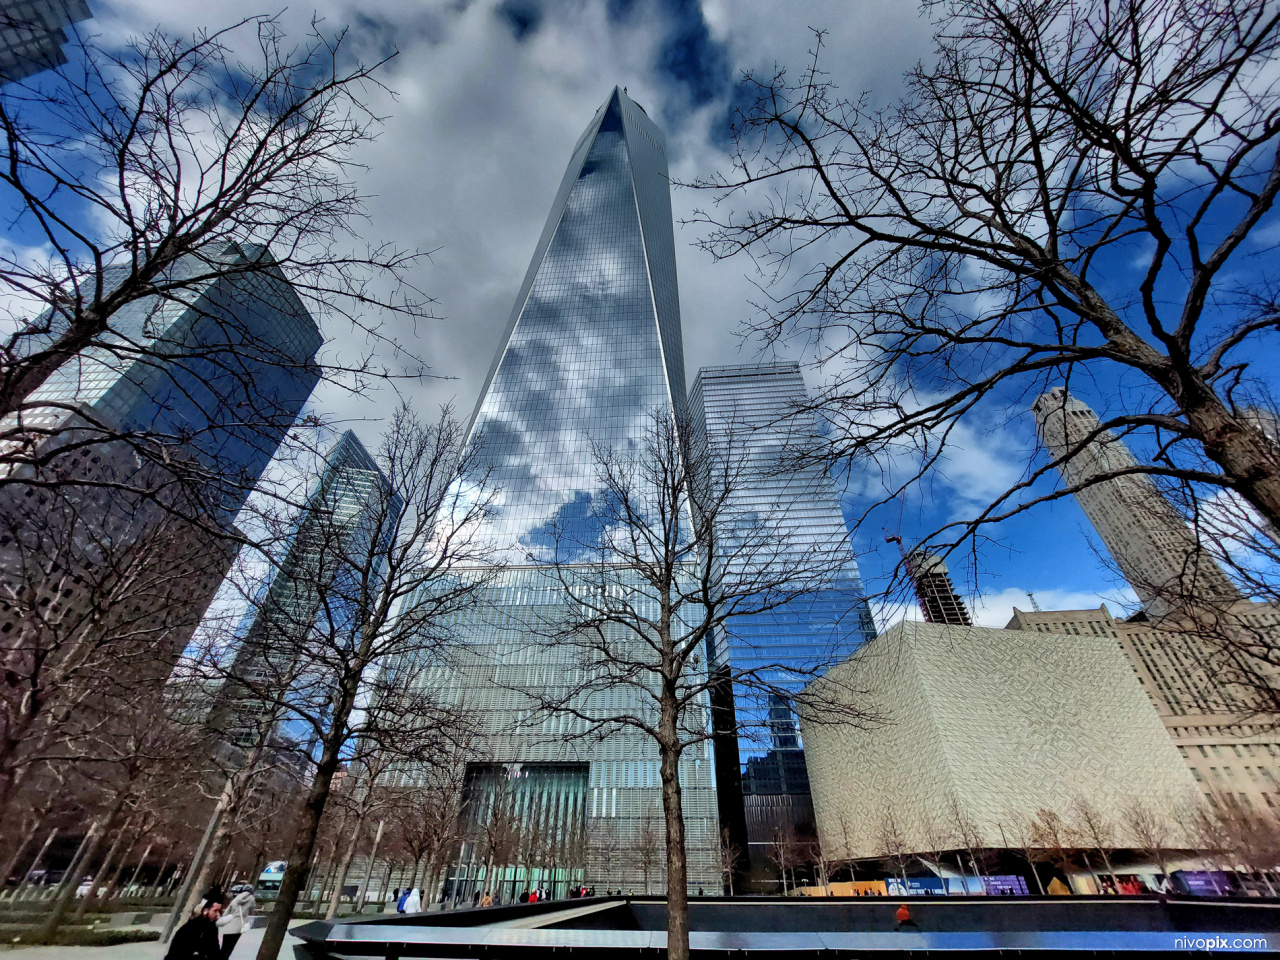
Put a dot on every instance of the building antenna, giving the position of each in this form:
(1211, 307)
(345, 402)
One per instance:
(1034, 606)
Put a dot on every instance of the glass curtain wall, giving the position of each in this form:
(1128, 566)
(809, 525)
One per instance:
(755, 414)
(592, 351)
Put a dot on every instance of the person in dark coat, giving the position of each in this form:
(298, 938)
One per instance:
(197, 939)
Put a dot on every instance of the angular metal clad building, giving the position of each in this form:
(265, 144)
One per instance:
(592, 350)
(758, 415)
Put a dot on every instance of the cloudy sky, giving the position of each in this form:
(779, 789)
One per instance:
(490, 97)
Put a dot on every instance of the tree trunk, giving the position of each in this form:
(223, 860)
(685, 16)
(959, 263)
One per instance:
(673, 814)
(68, 889)
(345, 868)
(35, 864)
(308, 827)
(138, 869)
(1036, 873)
(362, 890)
(17, 855)
(101, 875)
(413, 877)
(199, 871)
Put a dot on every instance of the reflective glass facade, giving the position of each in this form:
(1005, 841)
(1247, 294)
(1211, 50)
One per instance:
(219, 372)
(757, 412)
(592, 350)
(349, 508)
(594, 344)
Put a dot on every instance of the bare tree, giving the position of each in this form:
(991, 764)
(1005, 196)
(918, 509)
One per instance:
(137, 169)
(892, 845)
(1065, 194)
(1052, 834)
(730, 856)
(1150, 831)
(666, 559)
(648, 850)
(429, 820)
(786, 850)
(1020, 834)
(967, 832)
(366, 609)
(1096, 830)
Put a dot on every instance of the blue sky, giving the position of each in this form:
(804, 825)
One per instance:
(491, 96)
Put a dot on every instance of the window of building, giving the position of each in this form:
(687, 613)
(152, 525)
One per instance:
(1196, 773)
(1203, 751)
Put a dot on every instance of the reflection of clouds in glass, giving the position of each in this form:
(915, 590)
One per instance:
(583, 364)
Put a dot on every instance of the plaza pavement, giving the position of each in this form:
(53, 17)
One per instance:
(246, 949)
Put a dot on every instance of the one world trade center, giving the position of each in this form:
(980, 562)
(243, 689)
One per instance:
(591, 351)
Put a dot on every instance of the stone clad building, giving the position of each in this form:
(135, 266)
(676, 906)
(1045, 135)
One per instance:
(996, 724)
(1229, 751)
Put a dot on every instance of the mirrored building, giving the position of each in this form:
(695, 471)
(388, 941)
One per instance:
(154, 435)
(347, 522)
(757, 415)
(591, 352)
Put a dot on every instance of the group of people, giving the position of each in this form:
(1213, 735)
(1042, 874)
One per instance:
(218, 914)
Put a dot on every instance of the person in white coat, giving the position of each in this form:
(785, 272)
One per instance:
(414, 903)
(235, 918)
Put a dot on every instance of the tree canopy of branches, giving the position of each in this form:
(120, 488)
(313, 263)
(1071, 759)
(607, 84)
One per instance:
(126, 164)
(184, 219)
(362, 593)
(669, 556)
(1067, 193)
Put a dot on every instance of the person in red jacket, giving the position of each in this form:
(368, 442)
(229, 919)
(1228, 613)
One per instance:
(904, 918)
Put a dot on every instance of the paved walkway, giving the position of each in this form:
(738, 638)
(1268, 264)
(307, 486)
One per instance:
(246, 949)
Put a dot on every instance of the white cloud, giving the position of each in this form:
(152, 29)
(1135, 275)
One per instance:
(995, 609)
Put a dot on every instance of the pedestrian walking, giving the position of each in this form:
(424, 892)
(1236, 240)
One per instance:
(487, 899)
(235, 917)
(404, 896)
(197, 939)
(413, 904)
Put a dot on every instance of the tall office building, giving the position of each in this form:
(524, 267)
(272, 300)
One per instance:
(1151, 544)
(592, 349)
(755, 418)
(174, 416)
(343, 525)
(33, 33)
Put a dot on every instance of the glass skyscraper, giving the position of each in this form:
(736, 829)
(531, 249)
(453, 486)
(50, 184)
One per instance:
(174, 416)
(33, 33)
(592, 350)
(757, 415)
(350, 507)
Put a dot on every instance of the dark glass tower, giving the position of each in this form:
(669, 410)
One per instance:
(209, 382)
(759, 413)
(592, 349)
(33, 33)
